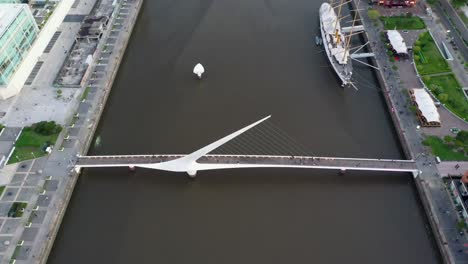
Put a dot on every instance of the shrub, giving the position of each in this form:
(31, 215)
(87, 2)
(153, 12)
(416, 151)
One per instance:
(426, 78)
(419, 67)
(47, 128)
(459, 143)
(436, 89)
(416, 57)
(443, 97)
(416, 49)
(448, 139)
(373, 14)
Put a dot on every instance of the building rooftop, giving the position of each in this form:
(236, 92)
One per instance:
(397, 41)
(8, 12)
(426, 105)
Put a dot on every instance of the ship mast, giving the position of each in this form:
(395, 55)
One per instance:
(338, 36)
(351, 32)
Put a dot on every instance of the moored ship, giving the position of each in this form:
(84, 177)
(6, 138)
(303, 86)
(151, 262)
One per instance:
(335, 43)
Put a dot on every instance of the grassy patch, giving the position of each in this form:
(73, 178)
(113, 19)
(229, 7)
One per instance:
(430, 60)
(456, 101)
(402, 22)
(464, 18)
(31, 145)
(15, 253)
(17, 209)
(2, 188)
(85, 93)
(443, 150)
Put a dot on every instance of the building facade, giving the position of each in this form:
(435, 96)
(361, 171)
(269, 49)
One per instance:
(18, 30)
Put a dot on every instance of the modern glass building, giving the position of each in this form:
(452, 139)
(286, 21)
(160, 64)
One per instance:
(18, 30)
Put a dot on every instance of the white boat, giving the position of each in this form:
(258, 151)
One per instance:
(198, 70)
(335, 43)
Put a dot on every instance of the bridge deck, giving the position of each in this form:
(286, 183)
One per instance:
(273, 161)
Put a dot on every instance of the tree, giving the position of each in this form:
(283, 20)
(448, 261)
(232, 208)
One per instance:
(443, 97)
(416, 49)
(462, 136)
(373, 14)
(448, 139)
(459, 3)
(436, 89)
(47, 128)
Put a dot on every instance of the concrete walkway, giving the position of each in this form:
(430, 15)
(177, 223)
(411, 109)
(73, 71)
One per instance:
(452, 168)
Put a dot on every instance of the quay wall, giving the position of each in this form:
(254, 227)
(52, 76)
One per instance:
(98, 108)
(419, 183)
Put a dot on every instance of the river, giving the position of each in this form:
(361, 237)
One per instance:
(260, 59)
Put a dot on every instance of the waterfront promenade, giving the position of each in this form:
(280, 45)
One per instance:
(431, 188)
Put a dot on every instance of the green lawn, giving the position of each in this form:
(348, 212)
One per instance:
(30, 145)
(442, 150)
(456, 99)
(402, 22)
(85, 93)
(430, 61)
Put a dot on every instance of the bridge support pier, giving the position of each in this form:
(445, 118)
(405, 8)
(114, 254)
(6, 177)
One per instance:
(192, 173)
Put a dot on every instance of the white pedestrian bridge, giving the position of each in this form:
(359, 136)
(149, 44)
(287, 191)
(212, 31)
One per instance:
(201, 160)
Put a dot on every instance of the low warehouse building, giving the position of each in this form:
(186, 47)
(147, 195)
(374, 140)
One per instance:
(425, 108)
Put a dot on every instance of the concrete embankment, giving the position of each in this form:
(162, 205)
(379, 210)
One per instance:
(97, 107)
(405, 144)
